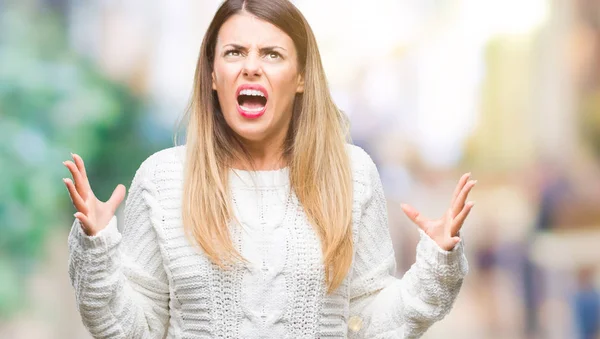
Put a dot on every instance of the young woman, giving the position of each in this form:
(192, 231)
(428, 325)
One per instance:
(267, 223)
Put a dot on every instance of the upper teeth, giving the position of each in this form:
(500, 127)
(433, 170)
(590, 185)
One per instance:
(251, 92)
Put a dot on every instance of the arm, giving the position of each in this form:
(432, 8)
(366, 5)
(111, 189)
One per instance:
(120, 284)
(382, 305)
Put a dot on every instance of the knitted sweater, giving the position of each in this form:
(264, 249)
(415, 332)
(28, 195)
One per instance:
(147, 281)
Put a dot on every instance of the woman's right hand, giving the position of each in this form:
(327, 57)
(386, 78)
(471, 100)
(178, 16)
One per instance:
(93, 214)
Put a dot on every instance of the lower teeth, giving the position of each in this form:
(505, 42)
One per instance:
(252, 109)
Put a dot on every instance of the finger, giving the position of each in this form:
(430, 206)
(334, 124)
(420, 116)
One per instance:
(461, 183)
(81, 167)
(459, 204)
(414, 215)
(75, 197)
(85, 222)
(116, 198)
(79, 186)
(454, 241)
(458, 222)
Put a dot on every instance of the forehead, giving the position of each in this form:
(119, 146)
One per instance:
(247, 29)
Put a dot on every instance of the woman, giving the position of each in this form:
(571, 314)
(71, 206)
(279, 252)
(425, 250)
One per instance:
(266, 223)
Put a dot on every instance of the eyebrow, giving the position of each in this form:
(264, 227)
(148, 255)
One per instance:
(262, 50)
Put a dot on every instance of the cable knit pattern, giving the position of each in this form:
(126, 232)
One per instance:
(149, 282)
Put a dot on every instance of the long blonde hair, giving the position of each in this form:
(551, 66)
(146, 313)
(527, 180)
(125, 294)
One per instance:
(315, 149)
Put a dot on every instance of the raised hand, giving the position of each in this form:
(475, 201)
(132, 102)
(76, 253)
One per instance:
(444, 231)
(93, 214)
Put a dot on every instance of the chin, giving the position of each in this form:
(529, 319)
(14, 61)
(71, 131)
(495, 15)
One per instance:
(252, 137)
(251, 132)
(246, 128)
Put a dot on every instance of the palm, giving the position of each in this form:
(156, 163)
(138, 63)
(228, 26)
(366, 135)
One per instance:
(93, 214)
(444, 231)
(437, 231)
(99, 213)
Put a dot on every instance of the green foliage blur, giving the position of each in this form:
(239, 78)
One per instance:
(53, 102)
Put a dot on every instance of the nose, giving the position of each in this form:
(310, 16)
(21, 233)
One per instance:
(252, 67)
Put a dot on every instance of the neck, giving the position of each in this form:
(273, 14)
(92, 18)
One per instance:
(266, 153)
(264, 156)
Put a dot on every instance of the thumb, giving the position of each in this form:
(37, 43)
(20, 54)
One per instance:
(117, 197)
(413, 215)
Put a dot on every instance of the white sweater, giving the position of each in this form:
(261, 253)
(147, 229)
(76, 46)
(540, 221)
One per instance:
(149, 282)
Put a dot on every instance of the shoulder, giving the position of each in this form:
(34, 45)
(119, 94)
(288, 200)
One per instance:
(362, 164)
(364, 173)
(162, 163)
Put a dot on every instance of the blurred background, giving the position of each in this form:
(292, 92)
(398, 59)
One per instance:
(508, 90)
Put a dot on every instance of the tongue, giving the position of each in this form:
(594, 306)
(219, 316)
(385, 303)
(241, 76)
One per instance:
(252, 102)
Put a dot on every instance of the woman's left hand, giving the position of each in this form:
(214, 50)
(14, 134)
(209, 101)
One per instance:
(444, 231)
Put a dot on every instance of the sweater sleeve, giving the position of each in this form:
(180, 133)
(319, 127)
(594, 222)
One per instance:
(121, 287)
(383, 306)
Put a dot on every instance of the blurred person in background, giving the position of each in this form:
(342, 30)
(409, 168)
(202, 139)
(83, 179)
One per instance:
(553, 189)
(586, 305)
(267, 222)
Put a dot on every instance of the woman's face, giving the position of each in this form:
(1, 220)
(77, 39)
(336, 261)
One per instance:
(256, 78)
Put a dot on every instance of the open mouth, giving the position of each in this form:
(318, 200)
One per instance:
(252, 100)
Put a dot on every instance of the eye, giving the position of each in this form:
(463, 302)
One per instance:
(232, 52)
(273, 55)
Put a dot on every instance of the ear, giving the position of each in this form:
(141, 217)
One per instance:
(300, 87)
(214, 81)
